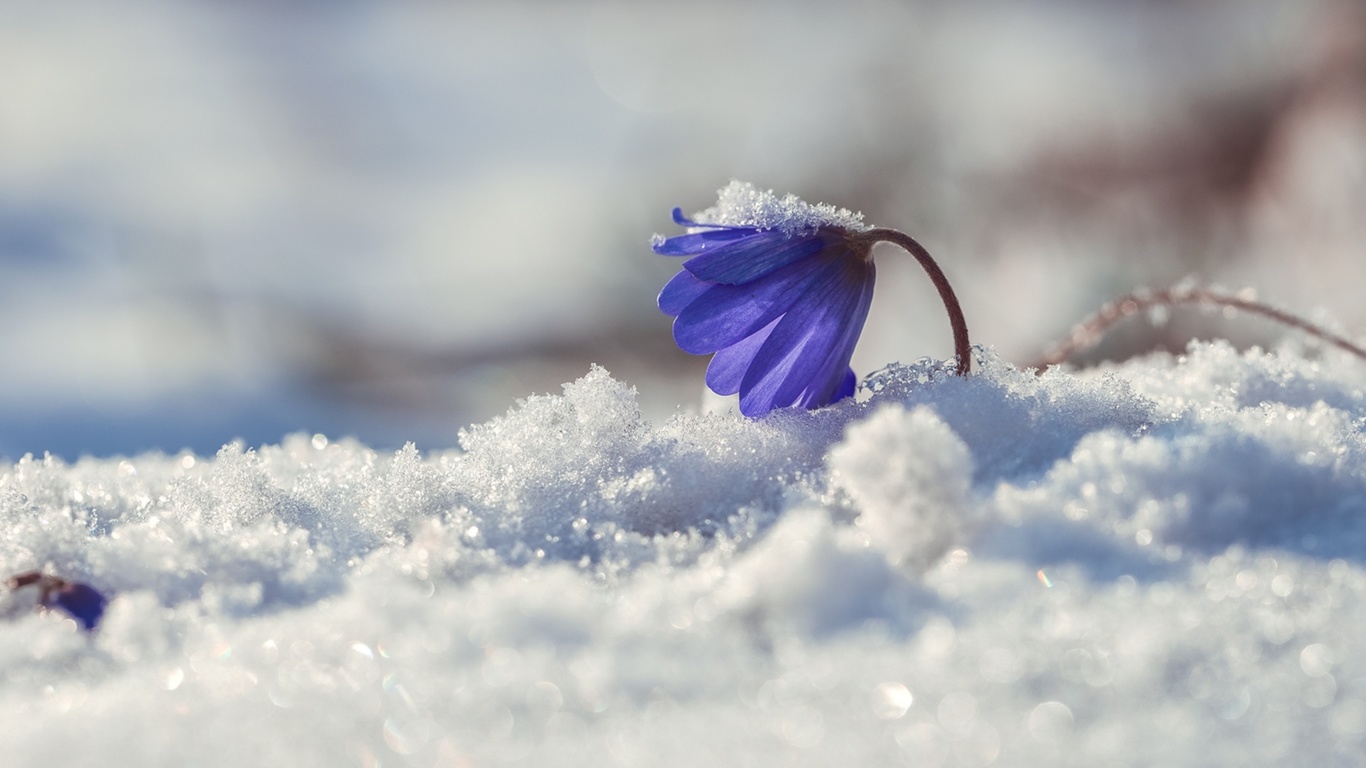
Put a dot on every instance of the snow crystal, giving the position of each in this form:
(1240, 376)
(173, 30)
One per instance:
(1002, 569)
(740, 204)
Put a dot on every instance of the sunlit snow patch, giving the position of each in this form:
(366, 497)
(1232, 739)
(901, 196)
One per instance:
(1156, 564)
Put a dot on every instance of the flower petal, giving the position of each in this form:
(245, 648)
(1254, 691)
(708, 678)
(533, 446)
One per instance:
(840, 382)
(697, 242)
(747, 259)
(835, 380)
(682, 220)
(726, 314)
(822, 327)
(681, 290)
(727, 368)
(847, 387)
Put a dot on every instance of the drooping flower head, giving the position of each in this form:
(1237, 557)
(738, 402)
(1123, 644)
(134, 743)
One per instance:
(777, 290)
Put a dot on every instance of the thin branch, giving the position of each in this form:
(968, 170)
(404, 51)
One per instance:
(1089, 332)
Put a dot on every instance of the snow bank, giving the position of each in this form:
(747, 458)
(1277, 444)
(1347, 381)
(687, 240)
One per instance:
(1160, 563)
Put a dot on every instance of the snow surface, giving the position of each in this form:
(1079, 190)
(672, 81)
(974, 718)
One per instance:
(741, 204)
(1159, 563)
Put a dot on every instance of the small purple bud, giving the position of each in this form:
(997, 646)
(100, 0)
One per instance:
(82, 601)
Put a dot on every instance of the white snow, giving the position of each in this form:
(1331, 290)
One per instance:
(1160, 563)
(741, 204)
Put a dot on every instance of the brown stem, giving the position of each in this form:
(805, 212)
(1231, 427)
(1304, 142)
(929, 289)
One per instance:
(1089, 332)
(961, 346)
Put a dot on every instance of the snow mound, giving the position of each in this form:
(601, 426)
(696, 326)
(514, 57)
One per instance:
(1002, 569)
(910, 476)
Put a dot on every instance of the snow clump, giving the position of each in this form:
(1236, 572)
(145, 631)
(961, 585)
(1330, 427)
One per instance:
(910, 477)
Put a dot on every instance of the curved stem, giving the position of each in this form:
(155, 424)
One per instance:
(1089, 332)
(962, 348)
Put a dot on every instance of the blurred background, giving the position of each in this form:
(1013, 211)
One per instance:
(242, 219)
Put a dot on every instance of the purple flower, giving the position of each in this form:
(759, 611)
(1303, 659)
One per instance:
(779, 302)
(777, 290)
(82, 602)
